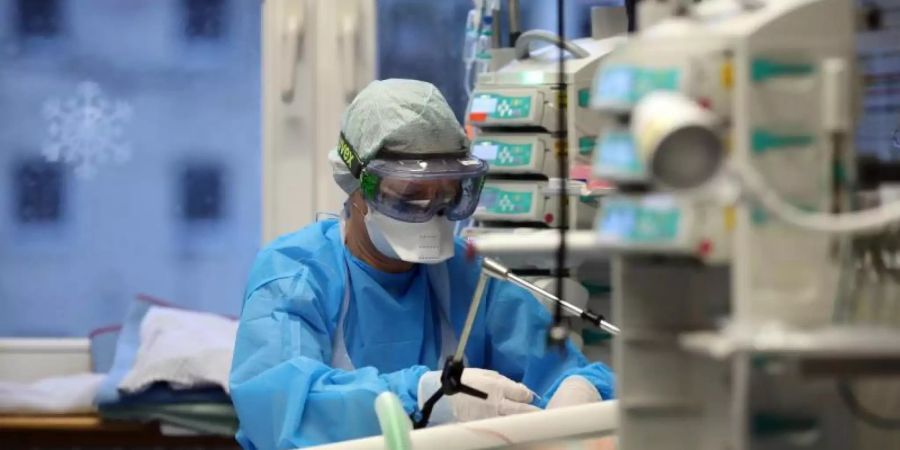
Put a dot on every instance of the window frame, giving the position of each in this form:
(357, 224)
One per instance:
(322, 52)
(190, 16)
(22, 28)
(189, 210)
(27, 193)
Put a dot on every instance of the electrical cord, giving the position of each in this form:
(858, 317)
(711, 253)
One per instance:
(851, 401)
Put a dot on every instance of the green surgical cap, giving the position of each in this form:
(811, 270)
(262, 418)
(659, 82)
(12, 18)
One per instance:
(401, 116)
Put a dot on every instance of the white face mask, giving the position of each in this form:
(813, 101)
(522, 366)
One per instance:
(427, 243)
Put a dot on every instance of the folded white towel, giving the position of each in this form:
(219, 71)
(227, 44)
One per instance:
(183, 348)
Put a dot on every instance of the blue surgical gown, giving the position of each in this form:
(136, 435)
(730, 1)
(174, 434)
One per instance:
(284, 390)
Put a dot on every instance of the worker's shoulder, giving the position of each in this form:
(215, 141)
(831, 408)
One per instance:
(311, 247)
(311, 239)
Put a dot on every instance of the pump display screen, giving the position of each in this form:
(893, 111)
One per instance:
(616, 154)
(486, 104)
(499, 107)
(497, 201)
(488, 198)
(625, 84)
(485, 150)
(653, 219)
(504, 154)
(615, 84)
(618, 222)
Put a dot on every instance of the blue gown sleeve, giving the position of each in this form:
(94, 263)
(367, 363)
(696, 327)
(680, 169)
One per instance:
(516, 346)
(284, 392)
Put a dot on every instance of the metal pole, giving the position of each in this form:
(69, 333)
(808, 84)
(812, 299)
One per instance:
(495, 30)
(515, 28)
(470, 318)
(604, 325)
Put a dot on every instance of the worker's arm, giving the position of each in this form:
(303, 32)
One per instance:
(284, 392)
(517, 328)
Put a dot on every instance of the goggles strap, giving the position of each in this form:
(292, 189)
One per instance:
(349, 156)
(368, 182)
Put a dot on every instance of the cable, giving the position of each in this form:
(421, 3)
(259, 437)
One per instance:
(862, 222)
(861, 412)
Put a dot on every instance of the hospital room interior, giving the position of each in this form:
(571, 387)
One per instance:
(450, 224)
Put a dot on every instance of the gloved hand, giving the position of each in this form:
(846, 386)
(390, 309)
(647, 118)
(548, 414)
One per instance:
(574, 390)
(505, 397)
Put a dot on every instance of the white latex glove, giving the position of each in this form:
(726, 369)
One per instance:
(505, 397)
(574, 390)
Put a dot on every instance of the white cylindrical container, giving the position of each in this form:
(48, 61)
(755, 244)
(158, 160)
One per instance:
(677, 139)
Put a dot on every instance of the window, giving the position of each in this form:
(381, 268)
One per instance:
(38, 18)
(878, 127)
(424, 40)
(204, 18)
(93, 211)
(201, 193)
(39, 192)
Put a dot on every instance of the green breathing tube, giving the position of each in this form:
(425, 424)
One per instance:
(395, 424)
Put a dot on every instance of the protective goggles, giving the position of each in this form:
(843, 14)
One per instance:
(417, 189)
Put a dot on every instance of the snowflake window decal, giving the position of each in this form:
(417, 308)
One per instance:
(87, 129)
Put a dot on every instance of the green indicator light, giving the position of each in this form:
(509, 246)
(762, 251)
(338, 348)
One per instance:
(839, 173)
(758, 216)
(584, 98)
(586, 145)
(763, 141)
(764, 69)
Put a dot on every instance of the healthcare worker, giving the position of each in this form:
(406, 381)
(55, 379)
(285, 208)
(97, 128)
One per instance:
(341, 311)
